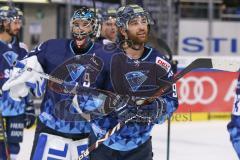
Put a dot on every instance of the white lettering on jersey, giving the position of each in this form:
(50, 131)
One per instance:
(7, 73)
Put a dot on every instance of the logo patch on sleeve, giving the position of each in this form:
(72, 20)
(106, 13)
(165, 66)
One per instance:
(10, 57)
(163, 63)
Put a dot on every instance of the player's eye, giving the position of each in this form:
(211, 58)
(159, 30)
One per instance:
(144, 21)
(133, 22)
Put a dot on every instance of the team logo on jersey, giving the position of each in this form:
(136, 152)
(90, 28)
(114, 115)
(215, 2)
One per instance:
(75, 70)
(10, 57)
(163, 63)
(135, 79)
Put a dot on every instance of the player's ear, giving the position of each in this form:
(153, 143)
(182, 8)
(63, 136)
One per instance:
(123, 32)
(5, 24)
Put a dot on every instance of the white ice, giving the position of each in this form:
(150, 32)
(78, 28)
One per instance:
(207, 140)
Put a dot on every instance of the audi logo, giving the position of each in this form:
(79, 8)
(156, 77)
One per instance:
(193, 90)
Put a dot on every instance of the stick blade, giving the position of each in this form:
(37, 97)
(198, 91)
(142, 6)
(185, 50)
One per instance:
(196, 64)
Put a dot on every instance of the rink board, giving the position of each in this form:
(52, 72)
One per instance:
(200, 116)
(205, 94)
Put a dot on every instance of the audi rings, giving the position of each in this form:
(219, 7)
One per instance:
(192, 94)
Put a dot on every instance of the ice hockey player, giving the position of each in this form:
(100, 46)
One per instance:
(133, 141)
(234, 125)
(63, 135)
(108, 29)
(12, 109)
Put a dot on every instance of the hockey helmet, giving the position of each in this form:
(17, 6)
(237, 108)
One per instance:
(10, 13)
(108, 14)
(127, 13)
(86, 14)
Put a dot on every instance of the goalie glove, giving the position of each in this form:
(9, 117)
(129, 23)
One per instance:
(22, 80)
(18, 91)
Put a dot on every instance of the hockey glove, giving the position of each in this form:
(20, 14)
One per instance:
(145, 113)
(127, 112)
(25, 80)
(169, 109)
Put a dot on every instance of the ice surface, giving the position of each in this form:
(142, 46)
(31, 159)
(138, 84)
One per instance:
(207, 140)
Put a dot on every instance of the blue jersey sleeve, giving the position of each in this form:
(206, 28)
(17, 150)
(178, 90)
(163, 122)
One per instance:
(234, 131)
(170, 98)
(234, 125)
(40, 51)
(10, 107)
(9, 53)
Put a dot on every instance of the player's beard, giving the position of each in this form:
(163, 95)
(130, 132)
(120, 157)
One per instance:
(138, 39)
(13, 32)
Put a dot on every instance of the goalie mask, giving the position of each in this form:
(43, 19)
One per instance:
(83, 23)
(10, 15)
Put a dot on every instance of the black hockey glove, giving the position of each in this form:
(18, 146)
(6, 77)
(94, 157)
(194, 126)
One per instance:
(151, 112)
(144, 113)
(30, 118)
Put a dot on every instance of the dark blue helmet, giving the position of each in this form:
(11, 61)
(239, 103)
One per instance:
(126, 13)
(10, 13)
(108, 14)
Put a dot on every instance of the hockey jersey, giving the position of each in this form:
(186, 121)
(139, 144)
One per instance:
(9, 53)
(132, 134)
(234, 125)
(51, 54)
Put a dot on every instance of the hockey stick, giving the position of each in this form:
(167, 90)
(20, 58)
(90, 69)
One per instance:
(73, 86)
(232, 66)
(169, 52)
(109, 134)
(57, 80)
(168, 137)
(59, 83)
(4, 136)
(210, 63)
(105, 137)
(198, 63)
